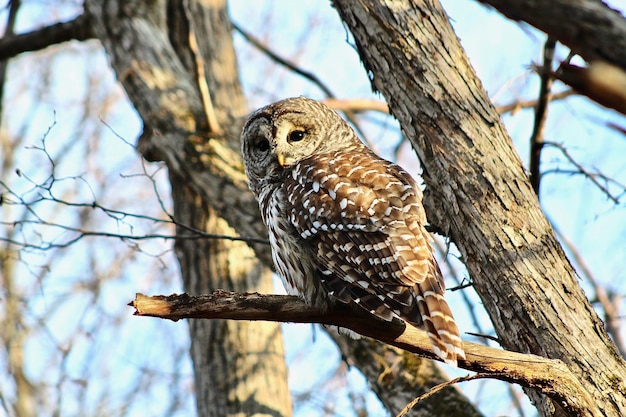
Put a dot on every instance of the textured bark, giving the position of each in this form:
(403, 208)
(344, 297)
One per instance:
(479, 193)
(177, 64)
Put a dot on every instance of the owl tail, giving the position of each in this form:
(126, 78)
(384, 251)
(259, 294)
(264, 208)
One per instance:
(438, 321)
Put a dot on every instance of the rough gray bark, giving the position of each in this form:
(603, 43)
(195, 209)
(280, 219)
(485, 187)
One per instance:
(177, 64)
(479, 193)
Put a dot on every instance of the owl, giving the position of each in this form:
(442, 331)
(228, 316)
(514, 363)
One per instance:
(344, 224)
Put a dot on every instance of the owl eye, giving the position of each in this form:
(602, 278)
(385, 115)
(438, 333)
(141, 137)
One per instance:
(296, 136)
(262, 145)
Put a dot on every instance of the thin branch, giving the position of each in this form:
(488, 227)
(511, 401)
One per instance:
(293, 67)
(518, 105)
(549, 376)
(541, 114)
(78, 29)
(8, 197)
(214, 127)
(592, 176)
(357, 105)
(438, 388)
(282, 61)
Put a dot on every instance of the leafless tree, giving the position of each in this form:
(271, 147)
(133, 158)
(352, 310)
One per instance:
(176, 62)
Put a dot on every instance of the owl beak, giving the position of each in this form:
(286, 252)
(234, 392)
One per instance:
(281, 159)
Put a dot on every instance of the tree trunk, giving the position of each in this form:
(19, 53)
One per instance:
(478, 193)
(402, 376)
(177, 64)
(238, 365)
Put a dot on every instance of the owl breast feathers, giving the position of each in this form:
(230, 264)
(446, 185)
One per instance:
(343, 223)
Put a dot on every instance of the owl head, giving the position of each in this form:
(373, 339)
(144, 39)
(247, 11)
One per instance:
(278, 136)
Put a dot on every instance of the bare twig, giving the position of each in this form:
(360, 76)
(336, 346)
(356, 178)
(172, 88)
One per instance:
(582, 170)
(282, 61)
(517, 105)
(549, 376)
(201, 80)
(303, 73)
(438, 388)
(541, 113)
(357, 105)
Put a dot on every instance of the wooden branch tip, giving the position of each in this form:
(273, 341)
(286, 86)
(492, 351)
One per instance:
(154, 306)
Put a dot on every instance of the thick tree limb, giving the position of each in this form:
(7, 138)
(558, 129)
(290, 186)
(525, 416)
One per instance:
(78, 29)
(592, 30)
(549, 376)
(478, 192)
(603, 83)
(589, 28)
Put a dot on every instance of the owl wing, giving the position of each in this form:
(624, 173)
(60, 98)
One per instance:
(363, 217)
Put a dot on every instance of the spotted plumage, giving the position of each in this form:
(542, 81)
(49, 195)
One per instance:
(343, 223)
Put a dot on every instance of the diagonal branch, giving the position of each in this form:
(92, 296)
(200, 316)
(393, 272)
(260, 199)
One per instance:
(581, 169)
(549, 376)
(599, 34)
(78, 29)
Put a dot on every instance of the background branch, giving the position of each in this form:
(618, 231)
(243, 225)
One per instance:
(599, 35)
(541, 114)
(519, 104)
(77, 29)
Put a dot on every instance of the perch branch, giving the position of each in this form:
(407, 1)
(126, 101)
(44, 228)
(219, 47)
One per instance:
(547, 375)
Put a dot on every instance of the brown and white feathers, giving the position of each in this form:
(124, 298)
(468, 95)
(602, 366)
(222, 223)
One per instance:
(344, 224)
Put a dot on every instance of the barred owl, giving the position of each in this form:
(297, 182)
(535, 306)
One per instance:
(344, 225)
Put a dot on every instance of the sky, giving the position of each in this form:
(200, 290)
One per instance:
(501, 52)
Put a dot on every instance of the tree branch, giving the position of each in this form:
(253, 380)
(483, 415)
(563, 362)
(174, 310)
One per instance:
(519, 104)
(78, 29)
(601, 82)
(541, 114)
(549, 376)
(599, 32)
